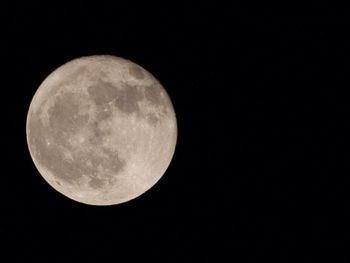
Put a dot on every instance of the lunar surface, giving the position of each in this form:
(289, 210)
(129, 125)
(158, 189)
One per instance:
(101, 130)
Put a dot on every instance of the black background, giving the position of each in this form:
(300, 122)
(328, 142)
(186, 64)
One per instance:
(261, 164)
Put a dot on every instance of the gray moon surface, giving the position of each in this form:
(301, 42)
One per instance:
(101, 130)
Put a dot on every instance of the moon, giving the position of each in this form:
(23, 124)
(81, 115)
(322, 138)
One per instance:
(101, 130)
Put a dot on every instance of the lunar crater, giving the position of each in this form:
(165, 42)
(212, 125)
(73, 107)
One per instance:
(136, 71)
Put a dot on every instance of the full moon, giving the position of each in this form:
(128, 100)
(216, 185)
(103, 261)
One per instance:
(101, 130)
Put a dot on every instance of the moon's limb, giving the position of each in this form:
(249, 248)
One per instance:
(101, 130)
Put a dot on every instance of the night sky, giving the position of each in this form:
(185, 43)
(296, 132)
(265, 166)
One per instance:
(260, 169)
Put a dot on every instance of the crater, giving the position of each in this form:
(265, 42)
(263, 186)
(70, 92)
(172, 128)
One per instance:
(136, 71)
(152, 118)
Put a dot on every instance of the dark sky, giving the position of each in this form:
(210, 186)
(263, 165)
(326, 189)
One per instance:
(261, 165)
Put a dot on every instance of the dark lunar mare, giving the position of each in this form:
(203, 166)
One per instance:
(127, 98)
(64, 122)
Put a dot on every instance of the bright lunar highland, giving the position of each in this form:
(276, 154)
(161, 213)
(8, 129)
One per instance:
(101, 130)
